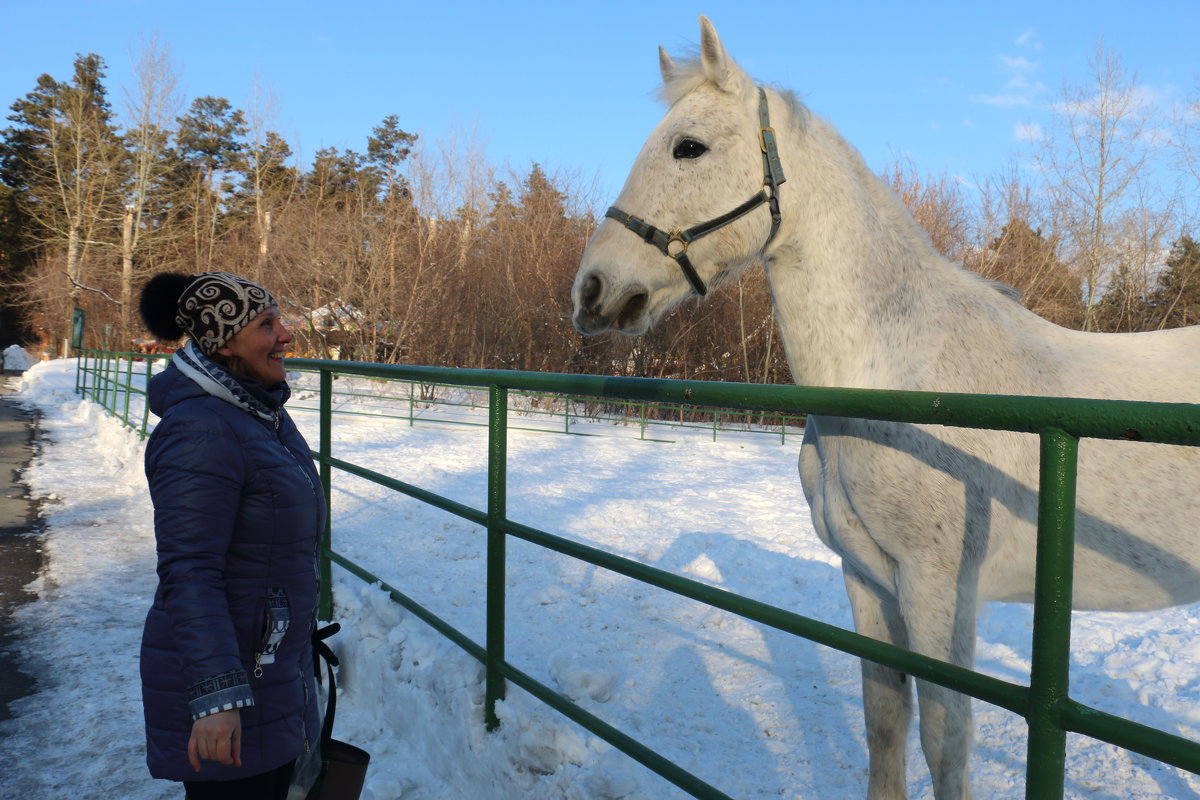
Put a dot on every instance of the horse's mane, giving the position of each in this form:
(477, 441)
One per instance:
(688, 75)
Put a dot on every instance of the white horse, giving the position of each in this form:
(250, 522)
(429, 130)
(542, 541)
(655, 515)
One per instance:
(929, 521)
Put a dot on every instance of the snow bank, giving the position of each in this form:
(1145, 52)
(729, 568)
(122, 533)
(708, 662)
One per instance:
(17, 358)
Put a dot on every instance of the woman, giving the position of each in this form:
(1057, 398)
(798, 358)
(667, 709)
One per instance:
(226, 663)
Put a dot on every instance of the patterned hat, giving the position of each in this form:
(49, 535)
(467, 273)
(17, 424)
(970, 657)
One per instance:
(216, 305)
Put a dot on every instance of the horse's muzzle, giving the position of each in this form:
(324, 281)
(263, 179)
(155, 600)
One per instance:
(626, 315)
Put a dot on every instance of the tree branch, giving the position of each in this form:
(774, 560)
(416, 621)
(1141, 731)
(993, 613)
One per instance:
(100, 292)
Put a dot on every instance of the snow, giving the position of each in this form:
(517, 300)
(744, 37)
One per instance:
(754, 712)
(16, 358)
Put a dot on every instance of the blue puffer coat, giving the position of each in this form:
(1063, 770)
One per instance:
(238, 512)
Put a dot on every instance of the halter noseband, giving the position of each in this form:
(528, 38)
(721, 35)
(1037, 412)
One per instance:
(675, 244)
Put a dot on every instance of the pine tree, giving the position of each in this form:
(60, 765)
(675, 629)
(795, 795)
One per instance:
(1124, 307)
(14, 262)
(387, 147)
(341, 179)
(1177, 297)
(209, 143)
(266, 184)
(66, 161)
(1028, 262)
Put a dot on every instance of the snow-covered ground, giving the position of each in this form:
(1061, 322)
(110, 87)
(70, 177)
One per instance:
(754, 712)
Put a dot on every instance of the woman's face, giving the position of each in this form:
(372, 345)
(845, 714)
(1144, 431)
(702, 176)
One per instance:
(260, 347)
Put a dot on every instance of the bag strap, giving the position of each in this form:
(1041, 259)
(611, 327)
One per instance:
(322, 650)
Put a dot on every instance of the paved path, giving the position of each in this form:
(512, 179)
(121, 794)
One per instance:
(20, 546)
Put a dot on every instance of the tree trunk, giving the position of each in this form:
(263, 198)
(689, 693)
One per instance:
(73, 273)
(127, 275)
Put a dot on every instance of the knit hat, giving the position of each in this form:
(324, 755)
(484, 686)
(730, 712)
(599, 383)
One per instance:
(210, 307)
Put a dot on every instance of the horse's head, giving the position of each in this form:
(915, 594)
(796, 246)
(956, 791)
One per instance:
(682, 221)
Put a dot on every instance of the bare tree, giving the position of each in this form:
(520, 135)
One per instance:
(1185, 150)
(936, 203)
(1094, 159)
(1017, 244)
(269, 183)
(151, 107)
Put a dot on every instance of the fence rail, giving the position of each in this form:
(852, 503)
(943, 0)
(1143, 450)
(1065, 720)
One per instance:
(1059, 422)
(114, 379)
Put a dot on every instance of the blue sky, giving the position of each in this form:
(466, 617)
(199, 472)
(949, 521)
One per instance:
(571, 85)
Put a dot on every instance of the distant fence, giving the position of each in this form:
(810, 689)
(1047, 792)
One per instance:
(118, 382)
(1058, 422)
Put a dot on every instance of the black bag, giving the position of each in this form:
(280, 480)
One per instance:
(343, 766)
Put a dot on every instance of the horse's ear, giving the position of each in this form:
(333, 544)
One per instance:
(718, 66)
(666, 66)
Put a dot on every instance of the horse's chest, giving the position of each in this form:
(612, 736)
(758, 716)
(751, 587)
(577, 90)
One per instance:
(885, 495)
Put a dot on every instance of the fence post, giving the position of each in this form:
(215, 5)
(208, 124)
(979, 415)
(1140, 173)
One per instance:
(496, 514)
(128, 389)
(100, 390)
(1050, 664)
(146, 395)
(112, 372)
(325, 448)
(98, 372)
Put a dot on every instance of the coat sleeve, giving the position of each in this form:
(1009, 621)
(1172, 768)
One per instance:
(196, 471)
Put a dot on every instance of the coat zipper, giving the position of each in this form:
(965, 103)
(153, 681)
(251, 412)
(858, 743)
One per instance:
(276, 418)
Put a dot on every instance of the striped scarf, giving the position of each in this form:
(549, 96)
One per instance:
(216, 380)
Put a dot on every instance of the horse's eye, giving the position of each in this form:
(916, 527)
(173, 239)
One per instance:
(690, 148)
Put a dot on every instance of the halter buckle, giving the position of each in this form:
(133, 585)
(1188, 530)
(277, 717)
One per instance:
(764, 132)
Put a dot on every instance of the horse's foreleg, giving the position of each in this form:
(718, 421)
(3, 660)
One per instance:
(887, 696)
(941, 624)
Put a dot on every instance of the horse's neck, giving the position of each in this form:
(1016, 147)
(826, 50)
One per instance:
(861, 297)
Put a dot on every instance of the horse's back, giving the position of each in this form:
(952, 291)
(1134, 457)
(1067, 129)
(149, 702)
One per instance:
(1151, 366)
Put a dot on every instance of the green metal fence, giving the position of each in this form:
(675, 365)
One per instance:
(1059, 422)
(114, 379)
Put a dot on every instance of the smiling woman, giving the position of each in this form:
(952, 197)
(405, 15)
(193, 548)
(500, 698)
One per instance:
(257, 350)
(226, 662)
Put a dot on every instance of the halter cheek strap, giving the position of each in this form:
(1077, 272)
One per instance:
(675, 244)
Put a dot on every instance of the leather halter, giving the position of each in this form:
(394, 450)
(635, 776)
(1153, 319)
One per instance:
(675, 244)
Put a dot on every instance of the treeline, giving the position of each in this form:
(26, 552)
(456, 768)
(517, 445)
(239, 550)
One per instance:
(418, 253)
(395, 253)
(1094, 221)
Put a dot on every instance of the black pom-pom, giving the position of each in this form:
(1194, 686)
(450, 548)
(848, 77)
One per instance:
(159, 300)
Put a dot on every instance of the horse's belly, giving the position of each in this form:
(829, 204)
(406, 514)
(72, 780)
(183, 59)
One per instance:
(891, 505)
(1136, 547)
(1099, 584)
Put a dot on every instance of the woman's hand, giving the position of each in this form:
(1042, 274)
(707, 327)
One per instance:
(217, 737)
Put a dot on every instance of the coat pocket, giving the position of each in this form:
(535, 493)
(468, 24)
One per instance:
(275, 625)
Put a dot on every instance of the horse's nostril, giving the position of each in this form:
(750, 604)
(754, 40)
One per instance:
(591, 291)
(632, 310)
